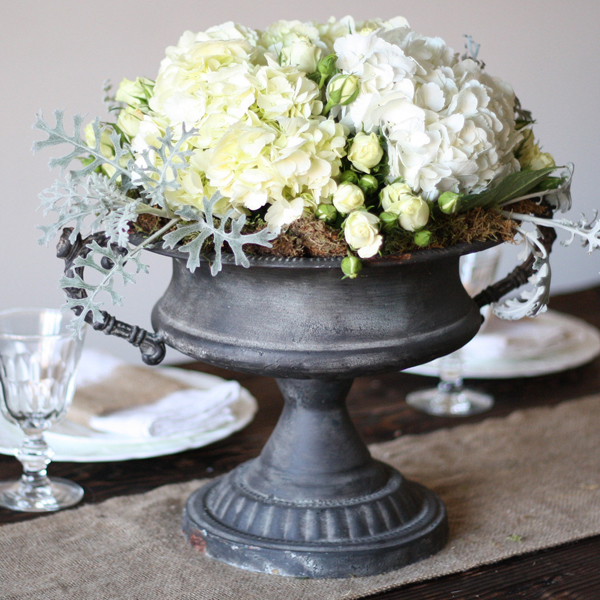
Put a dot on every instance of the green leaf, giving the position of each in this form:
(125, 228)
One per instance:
(512, 186)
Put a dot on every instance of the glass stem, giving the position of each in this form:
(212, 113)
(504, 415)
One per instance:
(451, 381)
(35, 456)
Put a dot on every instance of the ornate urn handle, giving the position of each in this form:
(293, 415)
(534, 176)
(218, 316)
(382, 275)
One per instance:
(151, 345)
(520, 274)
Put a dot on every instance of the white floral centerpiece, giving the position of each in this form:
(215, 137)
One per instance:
(305, 139)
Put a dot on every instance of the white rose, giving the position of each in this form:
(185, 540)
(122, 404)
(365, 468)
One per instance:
(135, 92)
(361, 231)
(393, 195)
(342, 90)
(301, 53)
(365, 152)
(531, 157)
(129, 121)
(414, 213)
(348, 198)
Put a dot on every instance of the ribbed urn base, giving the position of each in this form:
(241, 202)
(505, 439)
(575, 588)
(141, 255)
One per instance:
(315, 503)
(399, 524)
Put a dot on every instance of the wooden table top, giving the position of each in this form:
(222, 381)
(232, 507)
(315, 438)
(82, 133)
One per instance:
(377, 405)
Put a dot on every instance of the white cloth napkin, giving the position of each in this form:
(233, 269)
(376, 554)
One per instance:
(177, 413)
(187, 410)
(516, 340)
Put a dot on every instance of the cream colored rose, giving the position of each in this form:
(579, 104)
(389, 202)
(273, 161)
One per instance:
(365, 152)
(302, 54)
(531, 157)
(361, 231)
(129, 121)
(135, 92)
(342, 90)
(414, 213)
(392, 195)
(348, 198)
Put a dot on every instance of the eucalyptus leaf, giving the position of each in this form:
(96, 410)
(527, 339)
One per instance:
(512, 186)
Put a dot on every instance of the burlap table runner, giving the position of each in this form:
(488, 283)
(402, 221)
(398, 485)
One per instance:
(511, 485)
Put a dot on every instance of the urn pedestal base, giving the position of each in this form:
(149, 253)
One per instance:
(315, 503)
(348, 540)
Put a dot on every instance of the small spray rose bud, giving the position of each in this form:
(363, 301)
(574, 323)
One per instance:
(326, 212)
(449, 203)
(351, 267)
(342, 90)
(349, 176)
(106, 146)
(129, 121)
(422, 238)
(389, 220)
(348, 198)
(326, 66)
(135, 93)
(365, 152)
(368, 184)
(530, 155)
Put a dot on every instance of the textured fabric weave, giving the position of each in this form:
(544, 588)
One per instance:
(511, 485)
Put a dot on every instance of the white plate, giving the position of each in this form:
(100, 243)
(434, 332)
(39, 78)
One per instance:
(76, 443)
(575, 343)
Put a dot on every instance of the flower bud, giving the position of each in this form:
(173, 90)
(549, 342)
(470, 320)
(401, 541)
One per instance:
(348, 198)
(530, 156)
(368, 184)
(351, 267)
(422, 238)
(327, 66)
(135, 93)
(106, 146)
(129, 121)
(349, 176)
(449, 203)
(342, 90)
(326, 212)
(365, 152)
(389, 219)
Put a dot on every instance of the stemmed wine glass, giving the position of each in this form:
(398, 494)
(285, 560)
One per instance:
(38, 361)
(450, 397)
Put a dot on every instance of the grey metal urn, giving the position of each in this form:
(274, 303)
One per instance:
(314, 503)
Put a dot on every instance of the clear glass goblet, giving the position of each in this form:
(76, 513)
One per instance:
(451, 397)
(38, 361)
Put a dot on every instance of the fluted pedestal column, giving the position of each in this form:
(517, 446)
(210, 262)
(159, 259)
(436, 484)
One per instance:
(315, 503)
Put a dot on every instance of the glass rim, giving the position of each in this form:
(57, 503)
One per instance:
(31, 311)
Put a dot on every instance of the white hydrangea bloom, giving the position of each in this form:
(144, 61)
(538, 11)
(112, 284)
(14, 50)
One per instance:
(257, 163)
(449, 125)
(285, 92)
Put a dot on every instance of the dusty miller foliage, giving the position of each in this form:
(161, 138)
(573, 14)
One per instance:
(90, 201)
(533, 301)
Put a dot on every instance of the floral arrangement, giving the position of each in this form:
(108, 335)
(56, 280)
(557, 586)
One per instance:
(338, 139)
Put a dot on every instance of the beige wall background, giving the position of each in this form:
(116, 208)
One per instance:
(56, 54)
